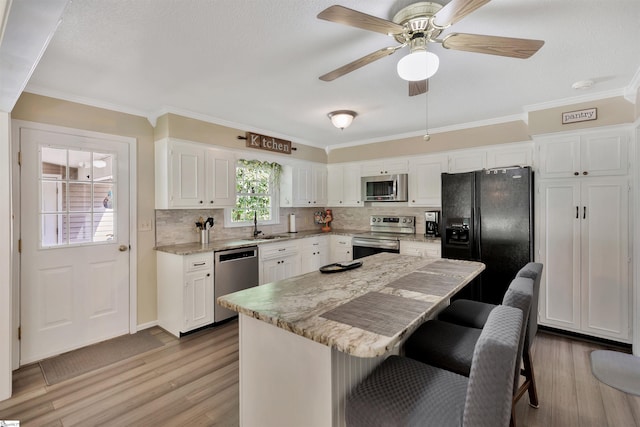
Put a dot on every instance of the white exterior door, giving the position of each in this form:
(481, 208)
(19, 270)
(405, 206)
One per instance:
(75, 242)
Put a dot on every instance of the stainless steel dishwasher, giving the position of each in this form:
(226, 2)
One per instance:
(233, 270)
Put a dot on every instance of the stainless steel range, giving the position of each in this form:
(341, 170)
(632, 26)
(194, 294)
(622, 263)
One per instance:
(384, 235)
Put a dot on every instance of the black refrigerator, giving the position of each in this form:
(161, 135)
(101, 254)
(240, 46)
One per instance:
(487, 216)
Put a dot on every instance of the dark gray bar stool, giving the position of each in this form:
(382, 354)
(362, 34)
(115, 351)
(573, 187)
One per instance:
(474, 315)
(406, 392)
(450, 346)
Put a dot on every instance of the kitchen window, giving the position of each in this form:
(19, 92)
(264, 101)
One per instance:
(256, 193)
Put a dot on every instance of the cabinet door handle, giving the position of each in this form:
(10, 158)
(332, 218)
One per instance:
(585, 173)
(576, 173)
(584, 212)
(577, 210)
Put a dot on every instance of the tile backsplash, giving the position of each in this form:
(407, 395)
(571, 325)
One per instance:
(177, 226)
(358, 218)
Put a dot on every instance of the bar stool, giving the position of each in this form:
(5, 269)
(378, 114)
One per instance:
(450, 346)
(474, 314)
(406, 392)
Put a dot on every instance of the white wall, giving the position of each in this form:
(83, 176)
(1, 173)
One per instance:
(5, 258)
(636, 247)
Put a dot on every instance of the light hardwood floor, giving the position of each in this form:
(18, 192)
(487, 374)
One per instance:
(194, 382)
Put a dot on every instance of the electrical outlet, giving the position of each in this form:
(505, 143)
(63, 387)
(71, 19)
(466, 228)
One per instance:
(145, 225)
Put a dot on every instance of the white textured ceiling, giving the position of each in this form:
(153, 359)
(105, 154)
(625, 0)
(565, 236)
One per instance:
(254, 64)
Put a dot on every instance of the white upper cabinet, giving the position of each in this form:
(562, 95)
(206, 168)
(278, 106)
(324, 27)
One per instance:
(220, 170)
(320, 186)
(303, 185)
(520, 154)
(344, 185)
(425, 183)
(598, 153)
(467, 160)
(387, 167)
(193, 176)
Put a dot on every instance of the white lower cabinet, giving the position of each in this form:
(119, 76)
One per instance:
(279, 261)
(583, 241)
(314, 253)
(422, 249)
(185, 291)
(341, 249)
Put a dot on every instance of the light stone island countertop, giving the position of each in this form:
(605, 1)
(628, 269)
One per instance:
(224, 244)
(364, 312)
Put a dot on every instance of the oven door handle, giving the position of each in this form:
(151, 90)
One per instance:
(380, 244)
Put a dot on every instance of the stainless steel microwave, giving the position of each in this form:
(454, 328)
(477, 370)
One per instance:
(385, 188)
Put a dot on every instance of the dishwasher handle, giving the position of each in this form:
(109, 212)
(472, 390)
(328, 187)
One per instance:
(236, 254)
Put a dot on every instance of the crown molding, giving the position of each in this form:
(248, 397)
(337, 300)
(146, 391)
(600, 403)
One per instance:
(37, 90)
(248, 128)
(462, 126)
(574, 100)
(631, 91)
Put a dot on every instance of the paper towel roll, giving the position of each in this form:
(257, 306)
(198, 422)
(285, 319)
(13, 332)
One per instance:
(292, 223)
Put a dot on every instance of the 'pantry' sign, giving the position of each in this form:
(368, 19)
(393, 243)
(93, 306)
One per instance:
(579, 116)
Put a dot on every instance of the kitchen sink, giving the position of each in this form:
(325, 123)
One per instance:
(272, 237)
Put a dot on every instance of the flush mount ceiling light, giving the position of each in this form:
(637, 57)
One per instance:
(342, 118)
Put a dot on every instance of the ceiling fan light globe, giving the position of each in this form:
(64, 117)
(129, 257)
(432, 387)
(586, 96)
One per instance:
(418, 65)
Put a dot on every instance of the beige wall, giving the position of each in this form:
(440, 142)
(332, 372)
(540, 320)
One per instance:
(611, 111)
(52, 111)
(502, 133)
(209, 133)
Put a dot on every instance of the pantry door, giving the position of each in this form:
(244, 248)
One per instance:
(74, 197)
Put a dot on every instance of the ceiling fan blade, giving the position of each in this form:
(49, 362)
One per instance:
(344, 15)
(419, 87)
(455, 10)
(352, 66)
(493, 45)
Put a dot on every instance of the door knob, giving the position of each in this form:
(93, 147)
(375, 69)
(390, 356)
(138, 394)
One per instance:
(122, 248)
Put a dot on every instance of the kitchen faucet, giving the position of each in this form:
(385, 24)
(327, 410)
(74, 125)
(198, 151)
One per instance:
(255, 224)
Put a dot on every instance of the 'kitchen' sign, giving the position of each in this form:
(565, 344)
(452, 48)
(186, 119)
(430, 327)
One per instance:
(269, 143)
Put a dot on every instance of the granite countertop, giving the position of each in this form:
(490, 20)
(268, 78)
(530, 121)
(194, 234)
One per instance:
(224, 244)
(364, 312)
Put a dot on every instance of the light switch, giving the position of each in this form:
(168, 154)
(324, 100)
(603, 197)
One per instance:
(145, 225)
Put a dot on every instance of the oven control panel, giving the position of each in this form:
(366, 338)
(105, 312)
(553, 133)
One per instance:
(393, 224)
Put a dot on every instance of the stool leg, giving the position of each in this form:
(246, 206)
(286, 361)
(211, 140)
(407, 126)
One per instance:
(528, 371)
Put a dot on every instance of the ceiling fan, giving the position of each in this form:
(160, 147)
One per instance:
(416, 26)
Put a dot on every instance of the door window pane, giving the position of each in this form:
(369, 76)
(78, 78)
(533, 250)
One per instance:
(78, 197)
(52, 230)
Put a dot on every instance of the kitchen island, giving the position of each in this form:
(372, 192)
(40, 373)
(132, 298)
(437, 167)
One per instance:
(306, 340)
